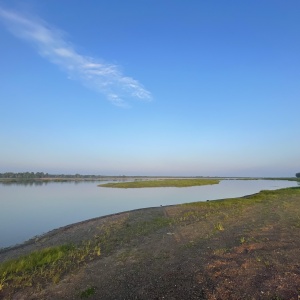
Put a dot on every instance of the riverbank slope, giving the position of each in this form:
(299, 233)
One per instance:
(243, 248)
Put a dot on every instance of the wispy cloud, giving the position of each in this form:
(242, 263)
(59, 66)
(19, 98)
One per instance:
(52, 44)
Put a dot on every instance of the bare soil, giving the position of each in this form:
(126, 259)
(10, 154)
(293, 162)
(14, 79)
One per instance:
(246, 248)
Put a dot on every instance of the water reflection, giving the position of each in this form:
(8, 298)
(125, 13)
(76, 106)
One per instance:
(58, 181)
(44, 182)
(24, 183)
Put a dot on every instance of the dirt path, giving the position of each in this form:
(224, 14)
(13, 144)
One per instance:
(245, 248)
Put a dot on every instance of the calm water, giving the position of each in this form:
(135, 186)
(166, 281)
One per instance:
(30, 210)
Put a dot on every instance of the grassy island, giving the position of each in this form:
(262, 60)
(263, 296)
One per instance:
(161, 183)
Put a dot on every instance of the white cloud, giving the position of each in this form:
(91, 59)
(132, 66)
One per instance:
(52, 45)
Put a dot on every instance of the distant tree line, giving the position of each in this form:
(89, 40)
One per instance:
(298, 175)
(37, 175)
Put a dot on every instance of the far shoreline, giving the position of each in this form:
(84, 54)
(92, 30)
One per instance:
(125, 178)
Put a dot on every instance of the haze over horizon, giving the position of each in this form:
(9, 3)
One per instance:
(144, 87)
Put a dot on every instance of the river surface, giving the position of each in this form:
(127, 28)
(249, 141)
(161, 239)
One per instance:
(30, 210)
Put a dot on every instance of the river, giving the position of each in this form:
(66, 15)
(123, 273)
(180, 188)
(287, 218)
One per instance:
(30, 210)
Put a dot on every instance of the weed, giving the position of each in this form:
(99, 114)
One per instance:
(56, 278)
(221, 251)
(267, 263)
(162, 255)
(122, 257)
(88, 292)
(296, 222)
(242, 240)
(188, 245)
(2, 281)
(97, 250)
(219, 226)
(276, 298)
(191, 216)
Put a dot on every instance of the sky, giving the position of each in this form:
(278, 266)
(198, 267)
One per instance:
(148, 87)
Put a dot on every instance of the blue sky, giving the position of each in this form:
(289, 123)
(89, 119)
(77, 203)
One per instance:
(140, 87)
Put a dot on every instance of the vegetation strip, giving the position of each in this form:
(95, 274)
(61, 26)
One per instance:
(161, 183)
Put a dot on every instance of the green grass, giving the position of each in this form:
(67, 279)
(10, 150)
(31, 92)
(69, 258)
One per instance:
(161, 183)
(87, 293)
(46, 265)
(219, 226)
(263, 196)
(35, 260)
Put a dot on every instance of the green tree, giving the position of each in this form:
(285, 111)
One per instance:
(298, 175)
